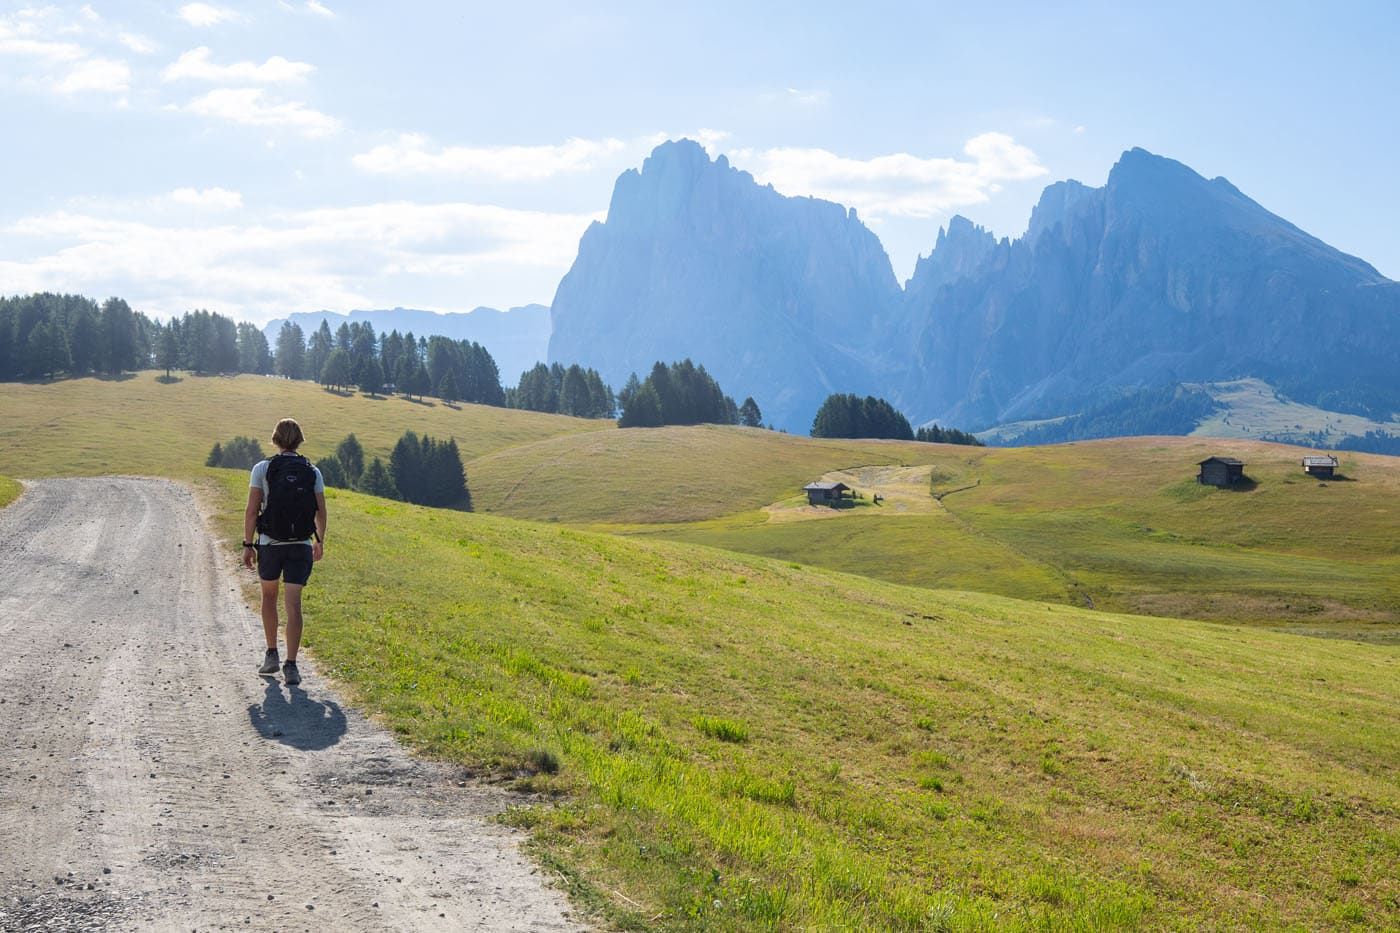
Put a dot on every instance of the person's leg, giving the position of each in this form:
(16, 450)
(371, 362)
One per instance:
(269, 614)
(293, 603)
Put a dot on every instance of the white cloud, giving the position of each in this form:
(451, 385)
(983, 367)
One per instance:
(431, 255)
(411, 154)
(206, 14)
(1079, 131)
(901, 184)
(44, 49)
(196, 65)
(102, 75)
(807, 98)
(137, 43)
(320, 9)
(30, 33)
(249, 106)
(219, 199)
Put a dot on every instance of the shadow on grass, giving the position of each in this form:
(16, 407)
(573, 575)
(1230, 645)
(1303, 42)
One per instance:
(1243, 484)
(169, 380)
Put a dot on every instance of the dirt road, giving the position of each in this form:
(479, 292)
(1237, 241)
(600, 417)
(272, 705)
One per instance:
(150, 780)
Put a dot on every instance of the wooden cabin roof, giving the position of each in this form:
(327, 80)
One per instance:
(1228, 461)
(819, 487)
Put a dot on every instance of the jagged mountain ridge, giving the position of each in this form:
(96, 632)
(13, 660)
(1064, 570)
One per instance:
(1158, 278)
(697, 260)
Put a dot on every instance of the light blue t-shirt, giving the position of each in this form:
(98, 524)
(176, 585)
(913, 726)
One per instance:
(258, 480)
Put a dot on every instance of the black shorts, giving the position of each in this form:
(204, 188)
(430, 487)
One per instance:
(290, 562)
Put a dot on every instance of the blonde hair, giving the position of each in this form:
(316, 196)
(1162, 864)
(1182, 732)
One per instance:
(287, 435)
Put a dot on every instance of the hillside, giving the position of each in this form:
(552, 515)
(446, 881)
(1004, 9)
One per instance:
(140, 425)
(724, 725)
(672, 474)
(716, 725)
(1116, 524)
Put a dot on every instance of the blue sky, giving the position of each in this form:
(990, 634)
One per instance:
(266, 157)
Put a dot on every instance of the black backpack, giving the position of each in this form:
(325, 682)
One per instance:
(289, 514)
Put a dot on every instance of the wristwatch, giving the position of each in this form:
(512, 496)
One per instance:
(248, 544)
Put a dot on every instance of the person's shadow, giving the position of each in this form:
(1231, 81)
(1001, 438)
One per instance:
(294, 719)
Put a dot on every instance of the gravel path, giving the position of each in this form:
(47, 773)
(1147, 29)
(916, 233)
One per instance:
(150, 780)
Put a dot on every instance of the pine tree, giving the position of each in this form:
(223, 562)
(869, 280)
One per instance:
(643, 410)
(335, 374)
(406, 467)
(291, 352)
(371, 378)
(749, 415)
(447, 389)
(376, 481)
(352, 458)
(574, 398)
(48, 349)
(333, 472)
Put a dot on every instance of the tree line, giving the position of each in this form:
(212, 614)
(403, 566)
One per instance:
(573, 391)
(422, 470)
(681, 393)
(46, 335)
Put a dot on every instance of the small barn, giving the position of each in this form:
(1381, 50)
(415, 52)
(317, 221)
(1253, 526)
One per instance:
(827, 493)
(1220, 471)
(1323, 467)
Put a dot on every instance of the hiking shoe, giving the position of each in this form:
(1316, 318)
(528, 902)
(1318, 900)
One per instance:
(290, 673)
(270, 662)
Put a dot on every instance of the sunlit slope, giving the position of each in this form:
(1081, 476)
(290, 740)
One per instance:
(673, 474)
(748, 743)
(1119, 524)
(9, 489)
(142, 426)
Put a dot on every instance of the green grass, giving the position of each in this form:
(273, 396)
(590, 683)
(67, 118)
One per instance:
(743, 742)
(139, 425)
(9, 491)
(664, 474)
(738, 743)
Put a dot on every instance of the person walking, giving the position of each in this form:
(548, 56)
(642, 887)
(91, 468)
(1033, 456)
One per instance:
(287, 512)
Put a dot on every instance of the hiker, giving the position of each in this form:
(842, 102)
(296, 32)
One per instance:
(287, 511)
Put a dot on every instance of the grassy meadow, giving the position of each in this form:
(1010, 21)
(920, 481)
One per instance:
(1118, 524)
(140, 425)
(738, 742)
(673, 474)
(742, 715)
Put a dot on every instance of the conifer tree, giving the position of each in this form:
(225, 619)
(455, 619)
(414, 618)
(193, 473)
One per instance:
(376, 481)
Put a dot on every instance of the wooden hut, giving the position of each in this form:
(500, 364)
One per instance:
(826, 493)
(1323, 467)
(1220, 471)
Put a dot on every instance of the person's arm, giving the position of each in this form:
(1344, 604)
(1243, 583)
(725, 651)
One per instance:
(318, 547)
(250, 525)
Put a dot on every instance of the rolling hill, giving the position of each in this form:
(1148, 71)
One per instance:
(82, 427)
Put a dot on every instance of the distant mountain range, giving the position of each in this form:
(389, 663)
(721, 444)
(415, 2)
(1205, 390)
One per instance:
(1117, 311)
(1160, 278)
(517, 339)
